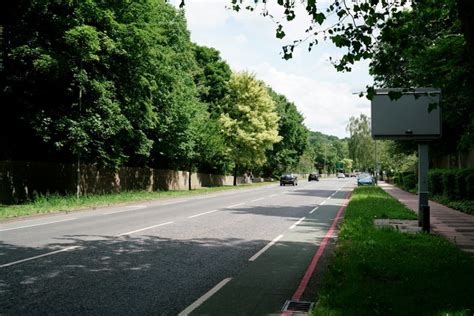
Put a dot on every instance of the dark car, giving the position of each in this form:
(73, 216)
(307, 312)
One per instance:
(289, 178)
(313, 176)
(365, 179)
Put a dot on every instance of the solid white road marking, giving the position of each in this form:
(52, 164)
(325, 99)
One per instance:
(146, 228)
(136, 207)
(40, 224)
(322, 203)
(257, 200)
(271, 243)
(298, 222)
(235, 205)
(314, 209)
(204, 298)
(200, 214)
(273, 195)
(39, 256)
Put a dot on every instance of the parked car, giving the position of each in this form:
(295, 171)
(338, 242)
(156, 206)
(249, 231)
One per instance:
(289, 178)
(341, 175)
(313, 176)
(352, 175)
(365, 179)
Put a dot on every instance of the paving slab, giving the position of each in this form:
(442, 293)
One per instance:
(456, 226)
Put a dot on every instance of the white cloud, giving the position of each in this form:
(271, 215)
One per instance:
(240, 39)
(326, 106)
(206, 14)
(247, 41)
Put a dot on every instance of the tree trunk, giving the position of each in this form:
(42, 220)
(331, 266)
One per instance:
(235, 175)
(466, 15)
(189, 176)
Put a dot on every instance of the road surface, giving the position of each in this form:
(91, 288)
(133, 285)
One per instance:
(239, 251)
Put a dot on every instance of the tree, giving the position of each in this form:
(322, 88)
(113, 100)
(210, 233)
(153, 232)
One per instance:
(211, 78)
(361, 145)
(328, 151)
(425, 47)
(285, 155)
(249, 121)
(351, 25)
(102, 79)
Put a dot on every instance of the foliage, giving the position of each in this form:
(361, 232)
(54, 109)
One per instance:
(327, 151)
(212, 78)
(249, 121)
(351, 25)
(425, 47)
(285, 155)
(454, 184)
(120, 83)
(361, 145)
(110, 82)
(384, 271)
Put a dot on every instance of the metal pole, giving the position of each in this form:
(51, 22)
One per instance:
(375, 159)
(423, 206)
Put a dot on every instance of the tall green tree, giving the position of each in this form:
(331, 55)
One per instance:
(110, 81)
(328, 151)
(249, 121)
(425, 47)
(212, 81)
(212, 78)
(285, 155)
(361, 144)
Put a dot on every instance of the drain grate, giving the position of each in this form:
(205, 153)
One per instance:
(297, 306)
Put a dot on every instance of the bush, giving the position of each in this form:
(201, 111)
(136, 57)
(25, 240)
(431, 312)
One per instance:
(435, 181)
(449, 184)
(410, 181)
(470, 184)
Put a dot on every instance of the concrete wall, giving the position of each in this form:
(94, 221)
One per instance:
(20, 181)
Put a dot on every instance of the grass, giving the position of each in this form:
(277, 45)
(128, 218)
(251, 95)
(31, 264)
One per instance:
(386, 272)
(56, 203)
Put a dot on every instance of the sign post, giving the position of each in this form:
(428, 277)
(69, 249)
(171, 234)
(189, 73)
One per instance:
(423, 193)
(410, 114)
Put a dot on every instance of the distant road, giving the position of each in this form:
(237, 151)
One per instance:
(157, 257)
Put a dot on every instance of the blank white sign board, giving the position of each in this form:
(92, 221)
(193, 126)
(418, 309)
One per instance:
(407, 117)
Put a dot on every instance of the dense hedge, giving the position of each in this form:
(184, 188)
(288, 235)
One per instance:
(454, 184)
(406, 180)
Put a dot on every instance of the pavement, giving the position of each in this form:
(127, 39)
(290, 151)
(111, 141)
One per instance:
(456, 226)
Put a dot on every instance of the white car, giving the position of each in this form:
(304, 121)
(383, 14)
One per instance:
(340, 175)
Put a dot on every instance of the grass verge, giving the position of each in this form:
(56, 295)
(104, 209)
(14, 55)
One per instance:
(57, 203)
(385, 272)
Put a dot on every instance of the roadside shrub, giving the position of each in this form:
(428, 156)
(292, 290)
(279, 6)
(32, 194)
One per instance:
(470, 184)
(461, 177)
(449, 183)
(409, 181)
(435, 181)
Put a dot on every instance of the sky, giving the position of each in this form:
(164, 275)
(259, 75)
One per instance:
(247, 41)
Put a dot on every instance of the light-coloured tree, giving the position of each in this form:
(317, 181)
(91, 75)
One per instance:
(249, 121)
(361, 144)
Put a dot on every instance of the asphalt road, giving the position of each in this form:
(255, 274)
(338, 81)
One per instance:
(163, 257)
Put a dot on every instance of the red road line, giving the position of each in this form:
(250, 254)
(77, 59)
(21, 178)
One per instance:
(314, 262)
